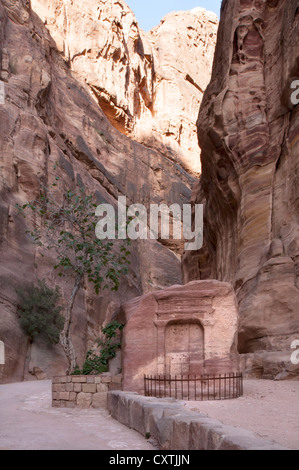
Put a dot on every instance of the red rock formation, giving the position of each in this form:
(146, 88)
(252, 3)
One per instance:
(48, 117)
(150, 86)
(180, 330)
(248, 132)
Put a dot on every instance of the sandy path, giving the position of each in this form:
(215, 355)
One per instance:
(268, 408)
(28, 422)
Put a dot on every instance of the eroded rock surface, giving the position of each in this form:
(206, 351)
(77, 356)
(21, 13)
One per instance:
(49, 116)
(150, 85)
(248, 132)
(180, 331)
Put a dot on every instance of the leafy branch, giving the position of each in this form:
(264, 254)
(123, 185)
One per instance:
(65, 223)
(98, 362)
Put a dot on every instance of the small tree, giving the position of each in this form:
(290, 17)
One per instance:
(67, 226)
(39, 312)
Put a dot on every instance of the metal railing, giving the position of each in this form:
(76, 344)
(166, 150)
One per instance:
(192, 387)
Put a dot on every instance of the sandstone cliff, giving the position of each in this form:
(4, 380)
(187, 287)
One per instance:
(50, 115)
(248, 132)
(150, 86)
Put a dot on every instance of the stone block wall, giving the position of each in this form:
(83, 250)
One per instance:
(172, 427)
(83, 391)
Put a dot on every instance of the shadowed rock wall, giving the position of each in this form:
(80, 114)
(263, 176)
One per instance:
(49, 116)
(248, 132)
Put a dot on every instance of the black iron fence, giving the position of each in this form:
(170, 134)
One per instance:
(197, 388)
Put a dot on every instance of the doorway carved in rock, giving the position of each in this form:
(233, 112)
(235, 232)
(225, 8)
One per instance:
(184, 348)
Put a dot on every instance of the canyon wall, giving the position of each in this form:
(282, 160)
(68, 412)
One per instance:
(50, 114)
(149, 85)
(248, 131)
(84, 86)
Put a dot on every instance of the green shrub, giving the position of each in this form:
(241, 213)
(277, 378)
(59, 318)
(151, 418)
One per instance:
(97, 363)
(93, 364)
(39, 312)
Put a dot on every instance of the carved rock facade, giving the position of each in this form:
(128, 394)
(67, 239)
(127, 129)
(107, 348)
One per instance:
(180, 330)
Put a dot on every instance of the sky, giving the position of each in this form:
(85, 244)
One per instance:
(149, 13)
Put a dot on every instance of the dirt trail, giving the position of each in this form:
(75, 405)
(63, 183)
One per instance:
(268, 408)
(28, 422)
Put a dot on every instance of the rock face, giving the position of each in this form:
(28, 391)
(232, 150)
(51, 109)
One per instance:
(248, 132)
(150, 86)
(180, 331)
(48, 116)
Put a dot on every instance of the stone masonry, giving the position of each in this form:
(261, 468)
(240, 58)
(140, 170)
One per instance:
(173, 427)
(180, 330)
(83, 391)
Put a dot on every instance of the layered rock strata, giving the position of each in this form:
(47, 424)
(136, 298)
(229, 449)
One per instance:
(149, 85)
(248, 130)
(48, 116)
